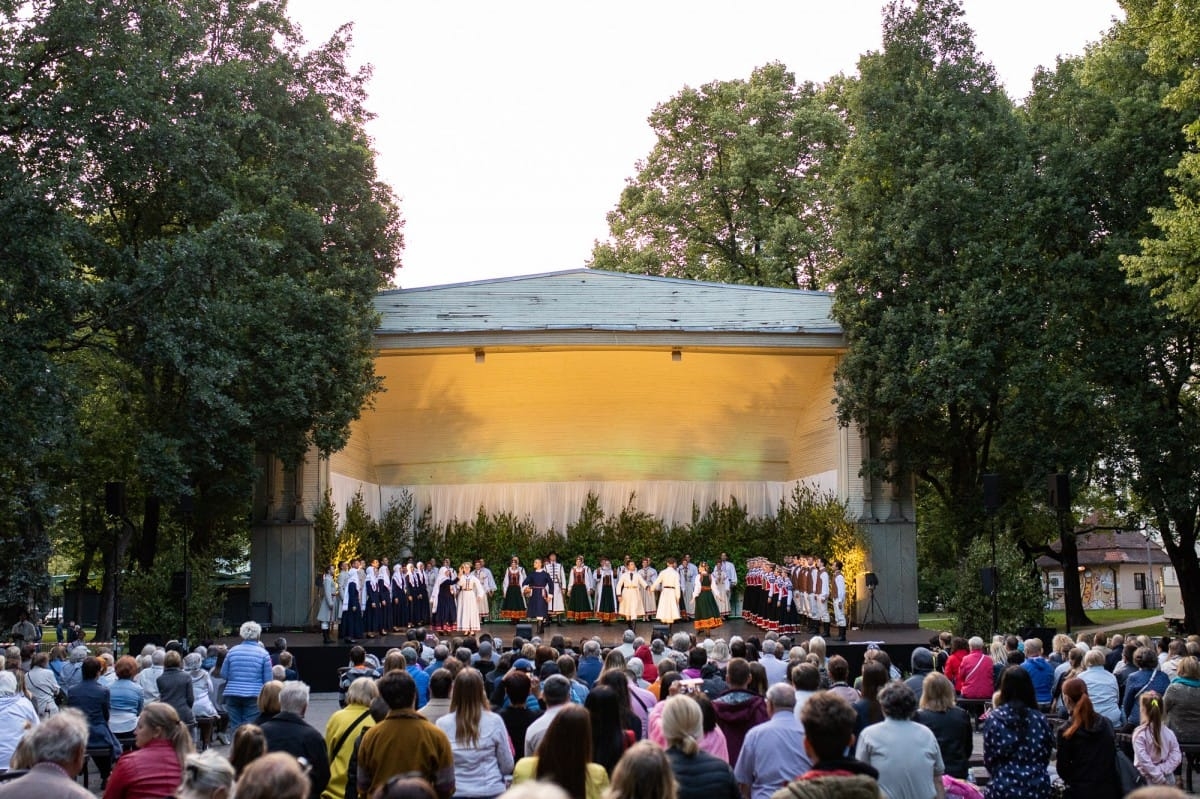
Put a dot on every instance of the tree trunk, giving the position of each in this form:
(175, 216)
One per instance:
(147, 549)
(110, 588)
(1072, 596)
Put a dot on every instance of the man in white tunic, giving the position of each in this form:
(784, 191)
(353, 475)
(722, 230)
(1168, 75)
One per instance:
(668, 586)
(488, 582)
(556, 602)
(649, 575)
(823, 596)
(839, 599)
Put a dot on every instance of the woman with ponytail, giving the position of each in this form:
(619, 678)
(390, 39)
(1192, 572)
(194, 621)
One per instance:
(155, 768)
(1155, 747)
(1087, 748)
(698, 775)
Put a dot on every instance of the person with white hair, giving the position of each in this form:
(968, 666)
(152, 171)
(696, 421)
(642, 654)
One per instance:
(58, 748)
(975, 675)
(17, 714)
(287, 731)
(247, 669)
(773, 752)
(776, 669)
(150, 672)
(208, 775)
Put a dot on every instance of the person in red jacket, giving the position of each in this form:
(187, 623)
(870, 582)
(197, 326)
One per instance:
(958, 651)
(738, 708)
(975, 673)
(155, 768)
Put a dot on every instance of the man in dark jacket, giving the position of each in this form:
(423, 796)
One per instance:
(287, 731)
(738, 708)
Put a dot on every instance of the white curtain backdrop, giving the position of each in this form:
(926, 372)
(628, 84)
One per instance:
(555, 505)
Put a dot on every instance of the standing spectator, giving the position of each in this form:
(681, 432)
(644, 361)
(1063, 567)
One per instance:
(483, 757)
(289, 732)
(698, 775)
(155, 767)
(24, 630)
(342, 730)
(644, 773)
(404, 742)
(1087, 747)
(564, 756)
(1017, 741)
(17, 714)
(175, 688)
(904, 752)
(247, 669)
(738, 708)
(1155, 748)
(773, 753)
(950, 724)
(58, 748)
(92, 699)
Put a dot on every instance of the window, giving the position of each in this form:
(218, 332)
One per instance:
(1139, 581)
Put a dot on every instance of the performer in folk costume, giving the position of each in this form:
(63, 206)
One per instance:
(606, 592)
(800, 589)
(352, 597)
(383, 589)
(814, 585)
(581, 586)
(401, 600)
(750, 597)
(556, 603)
(513, 606)
(445, 609)
(468, 591)
(488, 582)
(371, 612)
(418, 586)
(724, 577)
(328, 603)
(687, 583)
(537, 593)
(823, 578)
(630, 586)
(839, 600)
(789, 619)
(649, 575)
(668, 587)
(708, 615)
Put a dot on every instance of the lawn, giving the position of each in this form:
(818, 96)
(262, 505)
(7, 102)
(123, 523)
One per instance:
(1103, 619)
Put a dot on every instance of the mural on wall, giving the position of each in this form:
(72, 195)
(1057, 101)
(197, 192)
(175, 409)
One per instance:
(1098, 588)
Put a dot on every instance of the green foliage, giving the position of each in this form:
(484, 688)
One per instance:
(396, 523)
(325, 534)
(155, 610)
(1021, 601)
(359, 536)
(734, 189)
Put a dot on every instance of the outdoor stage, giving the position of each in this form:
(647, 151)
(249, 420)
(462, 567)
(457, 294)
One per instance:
(318, 663)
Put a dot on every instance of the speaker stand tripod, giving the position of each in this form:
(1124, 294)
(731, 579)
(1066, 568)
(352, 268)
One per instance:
(869, 619)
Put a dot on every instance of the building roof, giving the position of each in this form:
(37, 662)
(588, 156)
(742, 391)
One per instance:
(1111, 548)
(581, 306)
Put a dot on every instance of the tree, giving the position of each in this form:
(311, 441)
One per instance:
(735, 188)
(1162, 437)
(937, 287)
(212, 187)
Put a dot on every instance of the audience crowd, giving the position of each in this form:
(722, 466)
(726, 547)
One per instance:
(662, 719)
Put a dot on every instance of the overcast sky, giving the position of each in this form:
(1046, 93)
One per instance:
(508, 129)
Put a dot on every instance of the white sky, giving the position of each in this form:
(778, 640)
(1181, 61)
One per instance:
(507, 129)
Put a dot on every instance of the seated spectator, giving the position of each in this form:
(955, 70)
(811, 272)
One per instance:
(404, 742)
(1103, 692)
(1041, 672)
(565, 756)
(1017, 741)
(643, 773)
(517, 715)
(1147, 678)
(43, 687)
(175, 688)
(17, 714)
(288, 732)
(738, 708)
(249, 744)
(155, 767)
(950, 724)
(839, 679)
(126, 698)
(342, 732)
(874, 677)
(975, 677)
(1155, 749)
(1181, 702)
(439, 695)
(922, 664)
(92, 699)
(698, 775)
(57, 750)
(273, 776)
(829, 721)
(1087, 747)
(148, 677)
(206, 776)
(905, 753)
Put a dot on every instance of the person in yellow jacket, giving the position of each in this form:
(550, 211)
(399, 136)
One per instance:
(566, 752)
(343, 729)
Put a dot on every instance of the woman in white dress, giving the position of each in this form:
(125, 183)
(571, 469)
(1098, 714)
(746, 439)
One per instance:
(469, 590)
(629, 589)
